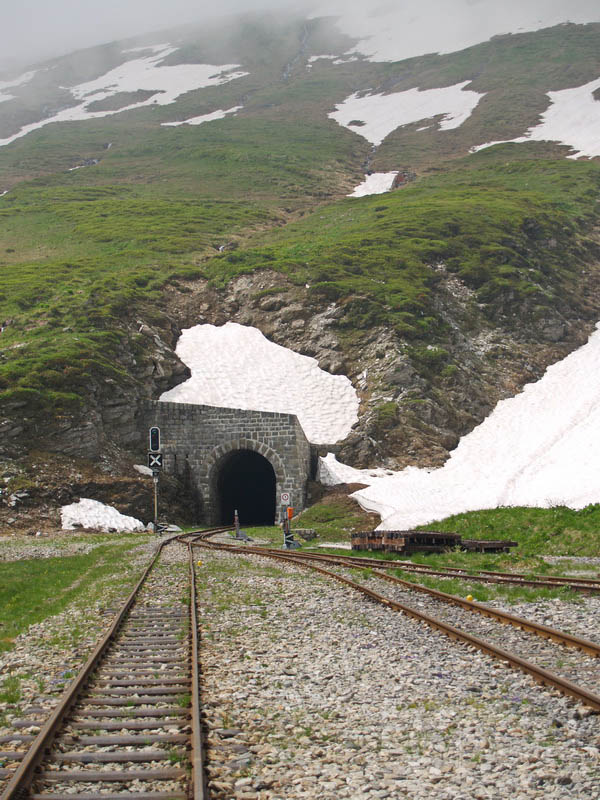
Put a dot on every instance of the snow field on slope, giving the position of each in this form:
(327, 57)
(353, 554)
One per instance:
(539, 448)
(375, 183)
(235, 366)
(383, 113)
(167, 83)
(394, 30)
(219, 114)
(21, 81)
(573, 118)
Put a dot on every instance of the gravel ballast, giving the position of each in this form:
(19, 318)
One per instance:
(311, 691)
(45, 658)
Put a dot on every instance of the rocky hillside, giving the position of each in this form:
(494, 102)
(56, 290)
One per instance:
(203, 176)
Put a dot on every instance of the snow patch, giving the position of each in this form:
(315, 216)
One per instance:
(143, 469)
(338, 545)
(383, 113)
(92, 514)
(20, 81)
(539, 448)
(220, 114)
(333, 472)
(375, 183)
(313, 59)
(235, 366)
(166, 83)
(573, 118)
(153, 48)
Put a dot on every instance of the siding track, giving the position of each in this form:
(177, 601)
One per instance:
(540, 674)
(585, 585)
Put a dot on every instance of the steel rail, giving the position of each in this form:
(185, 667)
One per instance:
(576, 584)
(544, 631)
(552, 578)
(539, 674)
(24, 774)
(21, 780)
(199, 783)
(590, 585)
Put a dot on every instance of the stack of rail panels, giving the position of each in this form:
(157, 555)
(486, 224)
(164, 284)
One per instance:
(411, 541)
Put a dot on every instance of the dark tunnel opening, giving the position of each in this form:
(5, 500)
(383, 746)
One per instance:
(246, 482)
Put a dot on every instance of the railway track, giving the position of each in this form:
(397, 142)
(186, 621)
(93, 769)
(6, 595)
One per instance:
(585, 585)
(129, 724)
(540, 673)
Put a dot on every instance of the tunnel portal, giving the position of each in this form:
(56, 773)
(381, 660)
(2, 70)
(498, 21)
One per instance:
(232, 458)
(246, 482)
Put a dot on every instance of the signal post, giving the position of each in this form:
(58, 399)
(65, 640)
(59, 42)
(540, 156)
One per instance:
(155, 463)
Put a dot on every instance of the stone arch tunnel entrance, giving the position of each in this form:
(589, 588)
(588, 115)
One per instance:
(232, 458)
(245, 480)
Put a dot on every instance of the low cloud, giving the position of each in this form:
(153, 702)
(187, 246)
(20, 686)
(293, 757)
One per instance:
(33, 30)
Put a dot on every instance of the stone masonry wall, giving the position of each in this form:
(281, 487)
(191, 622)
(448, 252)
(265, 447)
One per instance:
(194, 438)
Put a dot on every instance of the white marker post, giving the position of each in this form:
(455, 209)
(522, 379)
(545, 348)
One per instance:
(285, 499)
(285, 502)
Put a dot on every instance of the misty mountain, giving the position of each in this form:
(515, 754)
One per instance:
(204, 173)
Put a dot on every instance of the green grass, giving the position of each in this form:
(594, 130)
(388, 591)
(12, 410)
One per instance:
(32, 590)
(512, 72)
(10, 690)
(334, 520)
(488, 592)
(511, 230)
(272, 534)
(83, 254)
(77, 260)
(558, 531)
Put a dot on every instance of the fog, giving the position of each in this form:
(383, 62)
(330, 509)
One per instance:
(34, 30)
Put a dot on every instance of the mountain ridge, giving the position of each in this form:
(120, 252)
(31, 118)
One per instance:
(436, 299)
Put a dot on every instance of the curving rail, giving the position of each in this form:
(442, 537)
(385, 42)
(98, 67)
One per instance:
(539, 674)
(585, 585)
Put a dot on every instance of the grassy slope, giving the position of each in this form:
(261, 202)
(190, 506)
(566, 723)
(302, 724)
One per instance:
(557, 531)
(103, 248)
(553, 531)
(79, 250)
(501, 228)
(514, 73)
